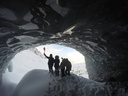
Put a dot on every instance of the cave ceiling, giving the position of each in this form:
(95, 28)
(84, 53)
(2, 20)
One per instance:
(96, 28)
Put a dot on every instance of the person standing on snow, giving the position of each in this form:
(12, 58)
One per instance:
(68, 67)
(56, 65)
(50, 62)
(62, 67)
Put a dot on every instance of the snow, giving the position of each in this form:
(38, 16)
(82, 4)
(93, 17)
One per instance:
(24, 62)
(41, 83)
(79, 69)
(7, 87)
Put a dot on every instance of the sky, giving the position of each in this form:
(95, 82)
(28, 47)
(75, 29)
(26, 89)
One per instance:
(64, 52)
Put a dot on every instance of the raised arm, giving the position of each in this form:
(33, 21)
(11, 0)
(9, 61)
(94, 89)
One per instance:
(46, 55)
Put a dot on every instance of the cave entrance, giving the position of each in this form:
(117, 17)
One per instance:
(33, 58)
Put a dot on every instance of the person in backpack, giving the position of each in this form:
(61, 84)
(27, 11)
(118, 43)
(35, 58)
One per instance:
(56, 65)
(62, 67)
(68, 67)
(50, 62)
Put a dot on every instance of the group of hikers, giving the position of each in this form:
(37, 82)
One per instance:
(64, 66)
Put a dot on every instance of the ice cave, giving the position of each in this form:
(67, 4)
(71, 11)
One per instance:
(98, 29)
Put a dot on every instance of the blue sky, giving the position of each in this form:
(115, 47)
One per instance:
(65, 52)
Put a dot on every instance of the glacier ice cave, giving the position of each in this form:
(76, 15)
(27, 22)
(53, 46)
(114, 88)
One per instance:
(96, 28)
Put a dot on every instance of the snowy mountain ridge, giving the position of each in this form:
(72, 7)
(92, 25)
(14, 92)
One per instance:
(37, 52)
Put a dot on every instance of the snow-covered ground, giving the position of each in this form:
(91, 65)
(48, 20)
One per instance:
(41, 83)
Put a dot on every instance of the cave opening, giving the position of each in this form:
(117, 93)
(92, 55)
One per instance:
(33, 58)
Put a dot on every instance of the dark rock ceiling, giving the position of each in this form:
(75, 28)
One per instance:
(96, 28)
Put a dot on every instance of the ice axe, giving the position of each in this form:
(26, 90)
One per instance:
(44, 49)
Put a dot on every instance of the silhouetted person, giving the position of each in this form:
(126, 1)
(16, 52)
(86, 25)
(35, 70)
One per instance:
(68, 67)
(50, 62)
(56, 65)
(62, 67)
